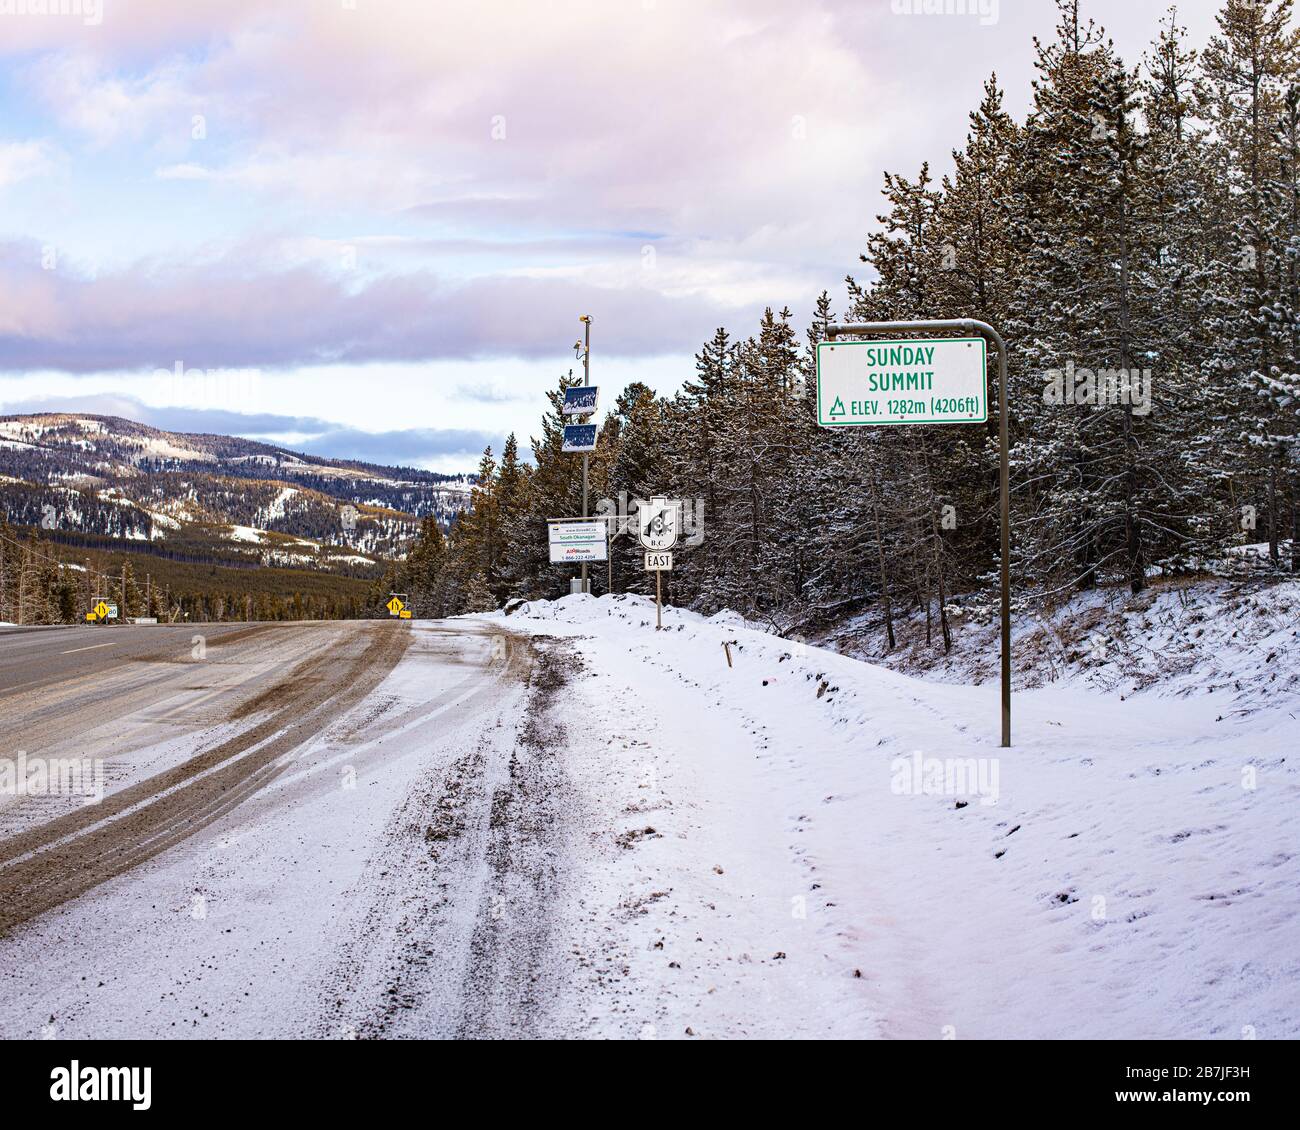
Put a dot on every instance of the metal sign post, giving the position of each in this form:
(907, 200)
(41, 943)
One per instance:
(586, 380)
(925, 372)
(615, 525)
(581, 402)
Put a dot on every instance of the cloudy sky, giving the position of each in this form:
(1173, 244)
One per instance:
(367, 227)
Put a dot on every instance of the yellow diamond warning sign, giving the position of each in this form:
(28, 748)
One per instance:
(101, 610)
(395, 607)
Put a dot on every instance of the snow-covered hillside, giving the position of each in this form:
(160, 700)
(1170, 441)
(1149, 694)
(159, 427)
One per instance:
(102, 477)
(1181, 638)
(142, 463)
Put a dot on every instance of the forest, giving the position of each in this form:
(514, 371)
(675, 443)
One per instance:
(43, 581)
(1143, 217)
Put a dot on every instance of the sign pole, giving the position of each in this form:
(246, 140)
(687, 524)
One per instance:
(659, 601)
(581, 400)
(609, 558)
(586, 380)
(971, 325)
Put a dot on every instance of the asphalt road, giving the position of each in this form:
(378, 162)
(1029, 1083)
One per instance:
(339, 829)
(140, 701)
(34, 658)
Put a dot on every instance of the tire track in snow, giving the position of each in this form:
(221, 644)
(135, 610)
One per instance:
(457, 940)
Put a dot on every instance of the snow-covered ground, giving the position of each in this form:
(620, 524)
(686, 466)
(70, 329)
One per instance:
(1182, 637)
(615, 831)
(810, 874)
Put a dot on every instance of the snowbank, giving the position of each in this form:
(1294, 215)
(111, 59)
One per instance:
(813, 845)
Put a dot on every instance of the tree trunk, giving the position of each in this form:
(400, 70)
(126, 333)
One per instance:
(880, 558)
(1274, 553)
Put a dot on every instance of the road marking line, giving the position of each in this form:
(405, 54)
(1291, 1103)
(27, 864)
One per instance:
(92, 647)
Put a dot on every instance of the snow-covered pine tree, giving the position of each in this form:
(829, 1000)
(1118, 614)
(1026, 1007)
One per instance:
(553, 490)
(1249, 67)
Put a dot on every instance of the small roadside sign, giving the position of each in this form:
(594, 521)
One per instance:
(656, 561)
(579, 437)
(657, 522)
(92, 615)
(405, 614)
(580, 401)
(930, 381)
(395, 607)
(573, 542)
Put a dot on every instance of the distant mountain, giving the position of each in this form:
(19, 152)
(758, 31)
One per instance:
(100, 480)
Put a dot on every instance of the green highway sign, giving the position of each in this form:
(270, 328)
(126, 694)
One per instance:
(932, 381)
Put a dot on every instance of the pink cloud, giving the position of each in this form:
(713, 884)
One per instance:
(228, 315)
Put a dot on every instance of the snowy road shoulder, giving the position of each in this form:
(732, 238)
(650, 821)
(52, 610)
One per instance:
(802, 844)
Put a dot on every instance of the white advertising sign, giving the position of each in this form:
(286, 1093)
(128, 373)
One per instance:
(572, 543)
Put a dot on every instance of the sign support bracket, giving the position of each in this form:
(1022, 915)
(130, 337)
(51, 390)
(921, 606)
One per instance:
(990, 335)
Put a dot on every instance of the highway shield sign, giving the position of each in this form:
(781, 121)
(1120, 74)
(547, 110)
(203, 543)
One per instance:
(658, 522)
